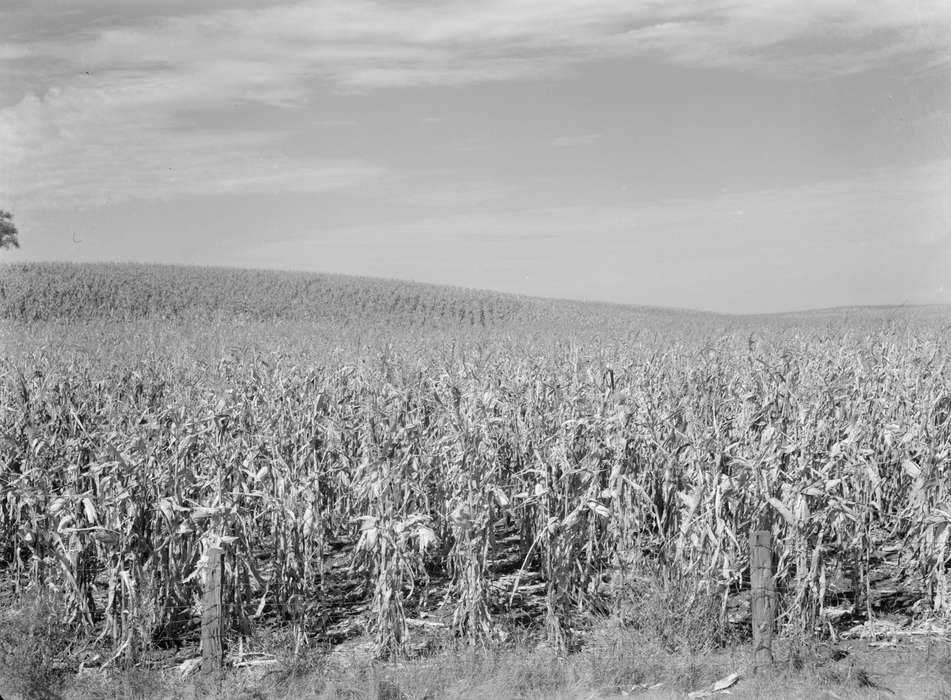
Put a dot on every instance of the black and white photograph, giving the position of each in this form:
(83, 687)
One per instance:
(475, 349)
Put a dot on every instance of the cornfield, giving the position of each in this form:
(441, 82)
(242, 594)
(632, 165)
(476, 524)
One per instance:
(403, 480)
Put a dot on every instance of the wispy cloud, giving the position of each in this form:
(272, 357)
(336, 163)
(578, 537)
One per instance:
(459, 195)
(579, 140)
(88, 146)
(9, 52)
(97, 118)
(371, 43)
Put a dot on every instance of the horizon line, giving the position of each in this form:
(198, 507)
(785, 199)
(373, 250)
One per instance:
(488, 290)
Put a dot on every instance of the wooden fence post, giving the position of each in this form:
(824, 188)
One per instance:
(211, 617)
(762, 598)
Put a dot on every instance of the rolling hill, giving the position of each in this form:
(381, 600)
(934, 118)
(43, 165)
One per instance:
(131, 291)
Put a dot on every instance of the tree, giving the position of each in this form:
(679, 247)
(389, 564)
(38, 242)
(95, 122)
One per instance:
(8, 231)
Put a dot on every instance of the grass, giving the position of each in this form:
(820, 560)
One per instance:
(616, 661)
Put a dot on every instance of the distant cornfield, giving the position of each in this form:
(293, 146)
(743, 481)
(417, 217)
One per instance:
(390, 470)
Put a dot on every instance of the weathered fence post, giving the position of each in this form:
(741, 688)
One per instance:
(762, 598)
(211, 618)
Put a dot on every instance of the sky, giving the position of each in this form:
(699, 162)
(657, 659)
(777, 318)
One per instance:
(726, 155)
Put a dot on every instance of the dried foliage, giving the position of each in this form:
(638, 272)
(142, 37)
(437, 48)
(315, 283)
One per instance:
(602, 459)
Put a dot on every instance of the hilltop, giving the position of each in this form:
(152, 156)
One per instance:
(131, 291)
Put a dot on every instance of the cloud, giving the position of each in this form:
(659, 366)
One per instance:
(81, 147)
(99, 108)
(329, 123)
(442, 195)
(915, 196)
(11, 52)
(579, 140)
(115, 132)
(371, 43)
(813, 38)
